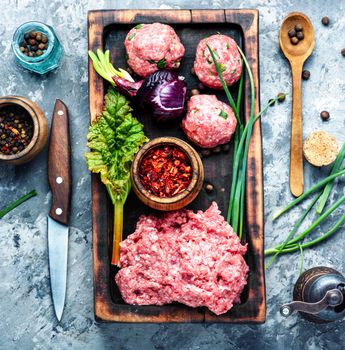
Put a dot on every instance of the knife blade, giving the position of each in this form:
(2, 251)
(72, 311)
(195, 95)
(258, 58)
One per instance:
(60, 183)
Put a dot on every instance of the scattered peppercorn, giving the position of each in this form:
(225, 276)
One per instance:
(195, 92)
(271, 102)
(292, 33)
(305, 75)
(34, 44)
(165, 171)
(300, 36)
(16, 130)
(324, 115)
(192, 70)
(281, 97)
(298, 28)
(294, 40)
(209, 188)
(343, 52)
(201, 86)
(325, 21)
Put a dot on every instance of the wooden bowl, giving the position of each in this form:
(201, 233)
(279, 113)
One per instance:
(180, 200)
(40, 133)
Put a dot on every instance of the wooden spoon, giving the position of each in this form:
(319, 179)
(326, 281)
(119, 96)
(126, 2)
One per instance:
(297, 55)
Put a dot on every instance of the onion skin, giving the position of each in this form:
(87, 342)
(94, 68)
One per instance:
(162, 94)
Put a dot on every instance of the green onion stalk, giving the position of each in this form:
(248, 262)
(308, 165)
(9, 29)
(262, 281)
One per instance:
(323, 189)
(235, 214)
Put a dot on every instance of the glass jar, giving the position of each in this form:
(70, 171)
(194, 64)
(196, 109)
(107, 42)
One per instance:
(50, 58)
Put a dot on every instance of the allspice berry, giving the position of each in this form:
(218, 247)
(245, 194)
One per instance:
(343, 52)
(195, 92)
(281, 97)
(294, 41)
(325, 21)
(209, 188)
(305, 75)
(324, 115)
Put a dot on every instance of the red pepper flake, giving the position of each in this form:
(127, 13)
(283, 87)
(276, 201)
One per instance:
(165, 171)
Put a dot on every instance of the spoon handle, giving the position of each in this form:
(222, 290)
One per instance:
(296, 154)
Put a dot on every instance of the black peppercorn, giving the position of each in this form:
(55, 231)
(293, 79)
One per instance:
(300, 35)
(192, 70)
(294, 41)
(292, 33)
(26, 36)
(298, 28)
(271, 102)
(281, 97)
(324, 115)
(216, 149)
(305, 75)
(325, 21)
(343, 52)
(201, 86)
(226, 147)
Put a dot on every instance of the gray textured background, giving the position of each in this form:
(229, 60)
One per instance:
(27, 320)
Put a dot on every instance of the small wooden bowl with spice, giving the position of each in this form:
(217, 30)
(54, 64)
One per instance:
(23, 130)
(167, 174)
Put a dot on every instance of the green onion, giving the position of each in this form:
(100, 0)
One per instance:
(308, 192)
(328, 188)
(292, 243)
(16, 203)
(293, 231)
(295, 247)
(225, 87)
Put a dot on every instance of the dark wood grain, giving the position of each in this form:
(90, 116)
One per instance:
(59, 164)
(107, 30)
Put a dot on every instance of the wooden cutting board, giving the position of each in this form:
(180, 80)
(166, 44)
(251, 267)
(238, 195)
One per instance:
(107, 30)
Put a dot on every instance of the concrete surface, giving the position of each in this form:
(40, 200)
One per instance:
(27, 319)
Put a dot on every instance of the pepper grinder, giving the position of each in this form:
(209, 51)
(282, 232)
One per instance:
(319, 295)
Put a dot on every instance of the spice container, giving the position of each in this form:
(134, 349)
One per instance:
(23, 129)
(40, 41)
(167, 174)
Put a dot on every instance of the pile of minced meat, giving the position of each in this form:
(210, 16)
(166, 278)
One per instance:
(192, 258)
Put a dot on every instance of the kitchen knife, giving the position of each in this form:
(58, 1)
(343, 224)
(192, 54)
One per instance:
(60, 182)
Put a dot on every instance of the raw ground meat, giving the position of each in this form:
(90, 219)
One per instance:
(151, 47)
(228, 57)
(192, 258)
(204, 124)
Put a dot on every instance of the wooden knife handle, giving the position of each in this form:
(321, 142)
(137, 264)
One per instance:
(59, 164)
(296, 153)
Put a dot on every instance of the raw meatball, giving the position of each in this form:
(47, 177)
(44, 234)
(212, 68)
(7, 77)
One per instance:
(209, 122)
(151, 47)
(228, 57)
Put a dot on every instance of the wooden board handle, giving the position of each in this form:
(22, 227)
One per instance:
(59, 164)
(296, 154)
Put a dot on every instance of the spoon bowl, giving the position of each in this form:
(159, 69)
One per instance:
(305, 47)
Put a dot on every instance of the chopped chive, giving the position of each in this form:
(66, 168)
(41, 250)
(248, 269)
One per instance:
(16, 203)
(223, 114)
(222, 67)
(138, 26)
(227, 46)
(161, 63)
(131, 36)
